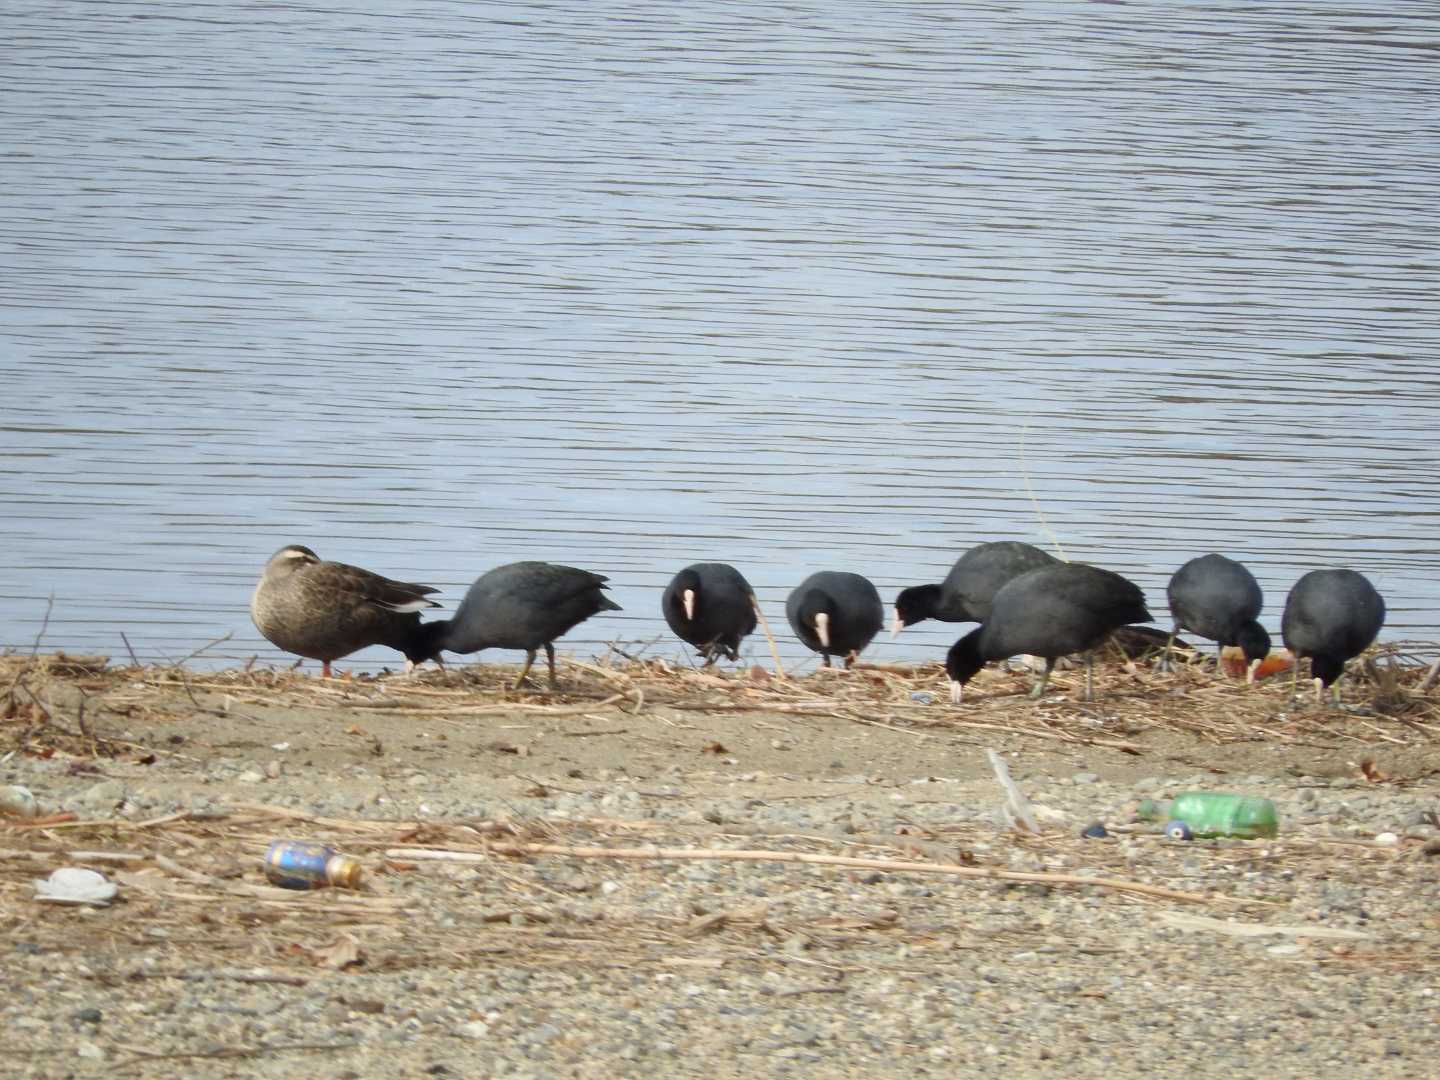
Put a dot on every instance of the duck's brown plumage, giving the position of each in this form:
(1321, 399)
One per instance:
(326, 610)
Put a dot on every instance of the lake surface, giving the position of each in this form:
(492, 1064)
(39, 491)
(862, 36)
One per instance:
(436, 286)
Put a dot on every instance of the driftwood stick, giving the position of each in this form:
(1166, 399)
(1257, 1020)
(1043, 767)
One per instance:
(774, 649)
(742, 855)
(1431, 675)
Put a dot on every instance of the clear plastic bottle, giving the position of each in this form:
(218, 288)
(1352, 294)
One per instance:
(1217, 813)
(304, 864)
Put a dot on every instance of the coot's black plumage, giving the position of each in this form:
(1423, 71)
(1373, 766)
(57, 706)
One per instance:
(967, 591)
(1330, 616)
(1050, 612)
(711, 606)
(835, 613)
(1218, 598)
(523, 605)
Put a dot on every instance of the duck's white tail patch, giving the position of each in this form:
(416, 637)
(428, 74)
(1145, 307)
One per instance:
(409, 605)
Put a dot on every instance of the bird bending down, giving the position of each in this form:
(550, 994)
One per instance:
(835, 613)
(326, 610)
(711, 606)
(523, 605)
(1330, 616)
(967, 591)
(1050, 612)
(1220, 599)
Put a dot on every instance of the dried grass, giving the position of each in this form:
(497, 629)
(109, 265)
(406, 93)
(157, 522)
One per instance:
(1388, 697)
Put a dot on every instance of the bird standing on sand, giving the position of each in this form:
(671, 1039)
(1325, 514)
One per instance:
(966, 592)
(1051, 612)
(326, 610)
(523, 605)
(1218, 598)
(835, 613)
(711, 606)
(1330, 616)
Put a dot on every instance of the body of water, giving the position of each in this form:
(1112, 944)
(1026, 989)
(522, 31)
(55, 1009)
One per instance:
(435, 286)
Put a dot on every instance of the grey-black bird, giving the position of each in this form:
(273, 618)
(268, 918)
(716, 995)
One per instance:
(835, 613)
(1050, 612)
(1330, 616)
(1220, 599)
(711, 606)
(967, 591)
(523, 605)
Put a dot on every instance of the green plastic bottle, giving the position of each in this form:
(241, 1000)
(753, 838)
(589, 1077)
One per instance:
(1217, 813)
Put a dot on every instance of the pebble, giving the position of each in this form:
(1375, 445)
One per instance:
(105, 795)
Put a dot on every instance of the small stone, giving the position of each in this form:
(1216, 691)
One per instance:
(475, 1029)
(251, 776)
(88, 1016)
(1386, 838)
(1094, 831)
(1086, 778)
(89, 1051)
(104, 795)
(273, 769)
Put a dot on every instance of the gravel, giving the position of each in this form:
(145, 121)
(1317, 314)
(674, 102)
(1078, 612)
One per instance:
(1312, 954)
(593, 966)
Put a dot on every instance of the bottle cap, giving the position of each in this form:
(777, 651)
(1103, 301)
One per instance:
(343, 871)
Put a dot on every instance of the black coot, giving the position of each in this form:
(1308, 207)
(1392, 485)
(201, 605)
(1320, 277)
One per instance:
(1218, 598)
(1050, 612)
(966, 592)
(835, 613)
(711, 606)
(1330, 616)
(524, 605)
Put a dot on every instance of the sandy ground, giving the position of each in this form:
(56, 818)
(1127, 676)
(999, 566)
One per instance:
(552, 962)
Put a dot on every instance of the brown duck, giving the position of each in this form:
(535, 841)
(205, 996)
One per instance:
(326, 610)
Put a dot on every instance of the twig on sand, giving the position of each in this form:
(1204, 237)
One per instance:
(44, 625)
(204, 648)
(887, 865)
(144, 1056)
(134, 660)
(626, 683)
(774, 649)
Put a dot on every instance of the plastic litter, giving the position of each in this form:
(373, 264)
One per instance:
(73, 885)
(1095, 831)
(1178, 830)
(1217, 813)
(303, 864)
